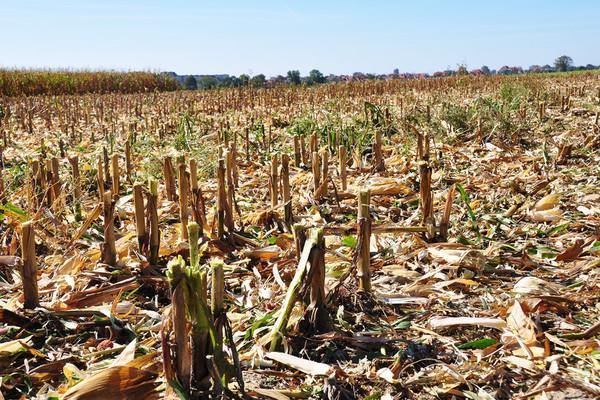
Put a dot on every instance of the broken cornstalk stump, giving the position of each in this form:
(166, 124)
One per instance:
(221, 199)
(363, 248)
(109, 252)
(116, 175)
(140, 218)
(317, 314)
(183, 199)
(274, 181)
(342, 167)
(29, 266)
(285, 190)
(169, 178)
(154, 231)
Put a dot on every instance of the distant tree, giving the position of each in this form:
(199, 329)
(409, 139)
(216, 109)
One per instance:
(563, 63)
(590, 66)
(190, 83)
(277, 80)
(462, 70)
(244, 79)
(315, 76)
(547, 68)
(258, 81)
(396, 71)
(293, 77)
(208, 82)
(485, 70)
(535, 68)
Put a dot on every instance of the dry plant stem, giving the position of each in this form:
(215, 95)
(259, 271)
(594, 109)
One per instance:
(234, 165)
(279, 328)
(198, 211)
(274, 181)
(230, 191)
(247, 140)
(445, 222)
(379, 165)
(426, 195)
(342, 167)
(314, 143)
(324, 173)
(49, 183)
(303, 153)
(29, 266)
(285, 190)
(183, 200)
(128, 164)
(317, 312)
(152, 210)
(100, 178)
(217, 291)
(297, 155)
(363, 249)
(55, 178)
(109, 252)
(299, 232)
(221, 199)
(316, 170)
(183, 350)
(74, 161)
(193, 237)
(169, 178)
(106, 165)
(2, 189)
(140, 218)
(116, 174)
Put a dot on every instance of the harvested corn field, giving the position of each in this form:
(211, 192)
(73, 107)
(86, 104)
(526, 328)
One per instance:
(396, 239)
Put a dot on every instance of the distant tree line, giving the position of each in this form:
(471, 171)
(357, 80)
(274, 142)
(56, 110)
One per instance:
(293, 77)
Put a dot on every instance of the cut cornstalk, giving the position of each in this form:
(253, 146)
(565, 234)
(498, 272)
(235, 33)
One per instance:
(317, 314)
(140, 218)
(74, 161)
(316, 170)
(169, 178)
(363, 248)
(106, 165)
(183, 347)
(152, 210)
(128, 163)
(285, 190)
(193, 236)
(183, 200)
(109, 252)
(29, 266)
(297, 154)
(342, 167)
(116, 174)
(299, 232)
(324, 173)
(198, 211)
(221, 199)
(445, 221)
(303, 153)
(230, 190)
(55, 178)
(378, 162)
(100, 178)
(274, 181)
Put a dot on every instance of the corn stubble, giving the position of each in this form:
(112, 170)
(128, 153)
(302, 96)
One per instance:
(198, 244)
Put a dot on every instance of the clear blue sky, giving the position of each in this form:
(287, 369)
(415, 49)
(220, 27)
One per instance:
(272, 37)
